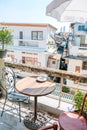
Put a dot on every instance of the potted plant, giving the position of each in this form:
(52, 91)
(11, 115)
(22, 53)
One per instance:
(5, 39)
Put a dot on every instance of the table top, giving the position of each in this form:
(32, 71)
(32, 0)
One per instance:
(31, 87)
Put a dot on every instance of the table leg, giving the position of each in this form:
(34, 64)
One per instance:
(34, 121)
(35, 108)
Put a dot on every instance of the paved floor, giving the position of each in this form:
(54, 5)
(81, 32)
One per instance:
(10, 118)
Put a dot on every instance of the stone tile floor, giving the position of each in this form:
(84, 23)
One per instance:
(10, 118)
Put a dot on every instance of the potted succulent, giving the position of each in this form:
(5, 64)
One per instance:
(5, 39)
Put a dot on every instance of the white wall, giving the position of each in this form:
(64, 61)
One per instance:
(73, 63)
(43, 58)
(71, 67)
(17, 55)
(73, 50)
(27, 35)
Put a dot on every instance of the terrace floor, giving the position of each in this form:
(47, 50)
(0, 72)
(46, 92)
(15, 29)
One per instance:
(10, 119)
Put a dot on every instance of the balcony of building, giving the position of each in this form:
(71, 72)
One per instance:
(53, 104)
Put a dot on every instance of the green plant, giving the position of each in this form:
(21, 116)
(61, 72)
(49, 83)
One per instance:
(78, 99)
(65, 89)
(5, 37)
(50, 42)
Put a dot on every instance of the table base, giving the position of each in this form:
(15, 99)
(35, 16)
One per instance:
(41, 121)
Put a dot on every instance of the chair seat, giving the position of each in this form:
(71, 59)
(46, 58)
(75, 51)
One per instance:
(15, 97)
(72, 121)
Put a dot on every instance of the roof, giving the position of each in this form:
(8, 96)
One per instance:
(56, 57)
(83, 58)
(30, 25)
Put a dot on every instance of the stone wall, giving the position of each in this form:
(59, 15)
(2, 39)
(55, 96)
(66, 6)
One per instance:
(49, 71)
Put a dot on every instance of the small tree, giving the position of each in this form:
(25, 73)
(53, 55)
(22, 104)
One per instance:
(5, 37)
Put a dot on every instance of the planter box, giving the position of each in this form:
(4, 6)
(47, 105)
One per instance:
(3, 53)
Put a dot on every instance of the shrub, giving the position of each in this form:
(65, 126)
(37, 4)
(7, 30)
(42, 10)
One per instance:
(65, 89)
(78, 99)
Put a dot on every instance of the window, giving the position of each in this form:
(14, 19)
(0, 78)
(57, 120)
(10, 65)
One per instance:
(37, 35)
(84, 65)
(77, 69)
(23, 59)
(81, 28)
(53, 62)
(20, 35)
(21, 43)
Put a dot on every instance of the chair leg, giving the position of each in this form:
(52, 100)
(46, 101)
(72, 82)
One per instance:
(3, 107)
(19, 111)
(29, 103)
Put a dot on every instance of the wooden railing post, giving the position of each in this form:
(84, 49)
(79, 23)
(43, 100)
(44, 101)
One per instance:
(61, 85)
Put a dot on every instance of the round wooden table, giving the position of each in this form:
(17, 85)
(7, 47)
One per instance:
(31, 87)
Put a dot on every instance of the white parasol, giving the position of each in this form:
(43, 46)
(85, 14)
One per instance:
(68, 10)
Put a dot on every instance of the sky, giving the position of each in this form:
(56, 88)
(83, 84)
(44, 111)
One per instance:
(27, 11)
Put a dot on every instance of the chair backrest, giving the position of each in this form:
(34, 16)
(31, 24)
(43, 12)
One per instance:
(9, 77)
(83, 104)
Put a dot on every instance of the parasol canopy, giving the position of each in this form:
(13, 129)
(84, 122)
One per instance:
(68, 10)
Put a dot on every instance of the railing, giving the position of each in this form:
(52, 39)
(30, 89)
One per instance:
(59, 93)
(83, 45)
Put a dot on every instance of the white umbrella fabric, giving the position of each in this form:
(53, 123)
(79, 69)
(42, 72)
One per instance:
(68, 10)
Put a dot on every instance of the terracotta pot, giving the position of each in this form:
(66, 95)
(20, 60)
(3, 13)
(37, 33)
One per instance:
(3, 53)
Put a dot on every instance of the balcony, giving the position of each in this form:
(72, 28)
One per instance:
(58, 101)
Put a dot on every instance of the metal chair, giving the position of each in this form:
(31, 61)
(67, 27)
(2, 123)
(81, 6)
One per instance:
(73, 120)
(54, 126)
(11, 94)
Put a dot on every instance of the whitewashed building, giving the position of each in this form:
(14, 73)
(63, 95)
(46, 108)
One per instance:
(77, 64)
(30, 44)
(34, 57)
(34, 35)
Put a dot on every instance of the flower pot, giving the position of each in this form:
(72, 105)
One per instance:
(3, 53)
